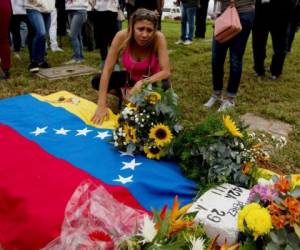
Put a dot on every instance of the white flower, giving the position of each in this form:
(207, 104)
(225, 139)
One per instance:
(115, 137)
(265, 182)
(116, 144)
(197, 244)
(147, 230)
(148, 116)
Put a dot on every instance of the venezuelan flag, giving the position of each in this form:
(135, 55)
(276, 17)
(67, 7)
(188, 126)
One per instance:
(48, 147)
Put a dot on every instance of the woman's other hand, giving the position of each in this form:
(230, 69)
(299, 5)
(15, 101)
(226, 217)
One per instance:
(136, 88)
(100, 115)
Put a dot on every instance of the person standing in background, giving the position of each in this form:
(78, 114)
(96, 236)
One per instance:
(77, 14)
(53, 30)
(201, 15)
(105, 20)
(236, 47)
(38, 13)
(293, 26)
(188, 13)
(5, 16)
(271, 16)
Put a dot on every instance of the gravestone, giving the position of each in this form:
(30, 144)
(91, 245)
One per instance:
(217, 209)
(67, 71)
(274, 127)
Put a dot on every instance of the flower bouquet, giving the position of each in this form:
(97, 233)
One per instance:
(148, 123)
(169, 230)
(272, 220)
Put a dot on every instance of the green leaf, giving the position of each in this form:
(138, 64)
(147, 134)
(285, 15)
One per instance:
(296, 192)
(272, 246)
(278, 236)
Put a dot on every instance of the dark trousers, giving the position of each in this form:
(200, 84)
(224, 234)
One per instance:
(88, 38)
(236, 46)
(119, 80)
(105, 29)
(5, 15)
(293, 26)
(268, 21)
(15, 27)
(201, 15)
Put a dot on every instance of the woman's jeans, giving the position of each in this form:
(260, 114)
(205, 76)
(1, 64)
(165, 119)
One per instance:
(187, 22)
(236, 46)
(40, 23)
(76, 19)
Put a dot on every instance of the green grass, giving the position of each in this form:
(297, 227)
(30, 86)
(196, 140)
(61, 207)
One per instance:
(191, 78)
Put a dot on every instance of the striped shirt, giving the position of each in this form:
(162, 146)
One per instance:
(241, 5)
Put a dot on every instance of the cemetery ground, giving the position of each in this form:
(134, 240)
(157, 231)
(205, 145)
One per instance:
(191, 79)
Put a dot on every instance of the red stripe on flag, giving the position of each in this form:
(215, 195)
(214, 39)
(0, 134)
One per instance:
(34, 190)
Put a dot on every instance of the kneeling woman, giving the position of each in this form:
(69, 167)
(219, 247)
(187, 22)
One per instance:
(144, 54)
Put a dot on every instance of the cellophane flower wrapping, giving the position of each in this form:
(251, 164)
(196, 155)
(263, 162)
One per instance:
(95, 220)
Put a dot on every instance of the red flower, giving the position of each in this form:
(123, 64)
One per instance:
(283, 185)
(278, 221)
(274, 209)
(99, 235)
(292, 204)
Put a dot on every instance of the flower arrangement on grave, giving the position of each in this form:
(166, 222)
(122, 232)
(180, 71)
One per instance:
(168, 229)
(273, 216)
(148, 124)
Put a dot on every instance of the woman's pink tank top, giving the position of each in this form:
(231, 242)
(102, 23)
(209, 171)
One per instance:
(138, 70)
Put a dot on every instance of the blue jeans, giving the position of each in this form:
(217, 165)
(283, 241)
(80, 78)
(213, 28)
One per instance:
(40, 23)
(187, 22)
(236, 46)
(76, 19)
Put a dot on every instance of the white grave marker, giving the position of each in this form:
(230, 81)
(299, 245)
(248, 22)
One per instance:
(217, 210)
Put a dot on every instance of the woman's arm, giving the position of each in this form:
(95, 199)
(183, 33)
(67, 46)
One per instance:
(112, 57)
(164, 63)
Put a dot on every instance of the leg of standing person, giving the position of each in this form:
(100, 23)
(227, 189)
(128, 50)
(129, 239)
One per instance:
(292, 28)
(219, 51)
(53, 32)
(15, 31)
(183, 24)
(76, 18)
(190, 12)
(237, 49)
(5, 16)
(259, 39)
(40, 23)
(278, 32)
(201, 15)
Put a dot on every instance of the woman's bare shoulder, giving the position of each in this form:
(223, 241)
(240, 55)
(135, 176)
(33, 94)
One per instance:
(122, 34)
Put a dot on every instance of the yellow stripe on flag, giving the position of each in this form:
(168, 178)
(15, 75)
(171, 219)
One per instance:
(78, 106)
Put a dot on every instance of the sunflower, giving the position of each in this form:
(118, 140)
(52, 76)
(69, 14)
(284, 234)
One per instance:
(130, 134)
(161, 134)
(153, 152)
(153, 97)
(230, 125)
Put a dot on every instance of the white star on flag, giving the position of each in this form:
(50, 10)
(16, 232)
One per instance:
(102, 135)
(130, 165)
(124, 180)
(84, 131)
(39, 131)
(61, 131)
(125, 154)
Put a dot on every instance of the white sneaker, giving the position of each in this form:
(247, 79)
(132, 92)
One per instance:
(226, 104)
(72, 61)
(187, 42)
(179, 42)
(212, 100)
(57, 49)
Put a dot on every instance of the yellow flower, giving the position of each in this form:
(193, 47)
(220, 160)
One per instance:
(257, 219)
(153, 97)
(161, 134)
(153, 152)
(130, 134)
(230, 125)
(131, 105)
